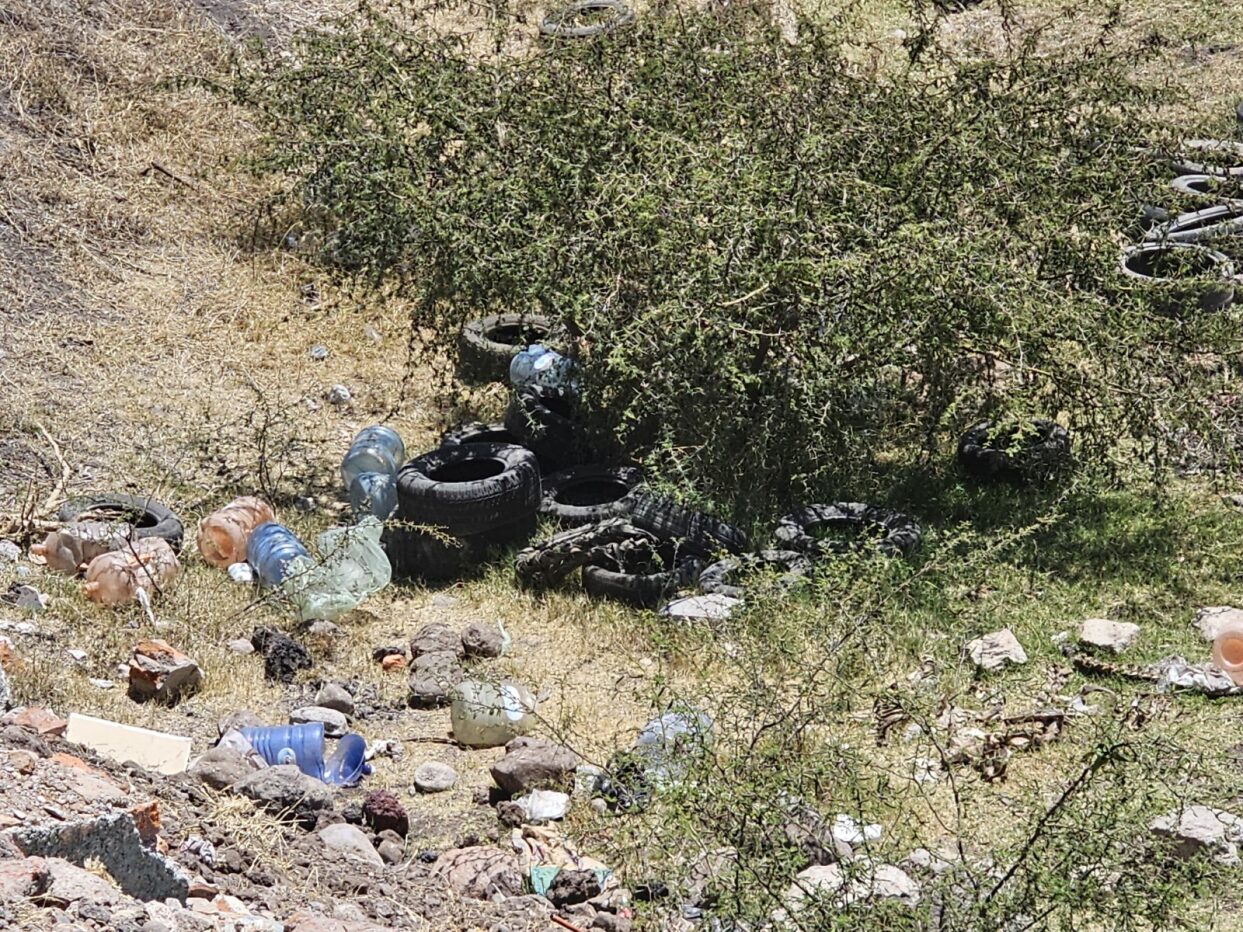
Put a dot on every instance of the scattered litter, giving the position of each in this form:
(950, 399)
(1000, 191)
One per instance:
(1203, 677)
(76, 654)
(544, 805)
(145, 565)
(241, 573)
(155, 750)
(71, 548)
(318, 352)
(711, 607)
(846, 829)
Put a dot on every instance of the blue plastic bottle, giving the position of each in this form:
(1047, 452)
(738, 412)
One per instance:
(270, 551)
(375, 449)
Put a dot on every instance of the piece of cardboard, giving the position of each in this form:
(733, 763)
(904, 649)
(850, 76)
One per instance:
(155, 750)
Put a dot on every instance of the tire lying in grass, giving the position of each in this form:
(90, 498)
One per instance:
(545, 421)
(476, 432)
(724, 576)
(1020, 454)
(486, 345)
(588, 494)
(644, 579)
(1203, 187)
(1219, 157)
(559, 23)
(470, 488)
(148, 517)
(864, 526)
(696, 531)
(1199, 225)
(1186, 278)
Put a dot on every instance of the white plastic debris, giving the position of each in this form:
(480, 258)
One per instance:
(241, 573)
(710, 607)
(846, 829)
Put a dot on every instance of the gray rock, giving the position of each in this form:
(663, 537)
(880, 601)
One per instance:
(350, 842)
(480, 640)
(113, 841)
(241, 646)
(236, 721)
(221, 767)
(76, 885)
(1103, 634)
(9, 552)
(530, 763)
(544, 805)
(1202, 830)
(391, 851)
(480, 873)
(338, 395)
(1210, 620)
(335, 696)
(324, 629)
(286, 789)
(571, 887)
(711, 607)
(434, 777)
(436, 638)
(829, 881)
(6, 694)
(443, 601)
(433, 677)
(994, 651)
(318, 352)
(25, 597)
(809, 832)
(335, 724)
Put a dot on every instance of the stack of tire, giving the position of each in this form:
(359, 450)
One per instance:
(458, 503)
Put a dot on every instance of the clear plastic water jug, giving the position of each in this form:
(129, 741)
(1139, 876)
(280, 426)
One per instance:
(375, 449)
(375, 494)
(352, 566)
(538, 365)
(488, 715)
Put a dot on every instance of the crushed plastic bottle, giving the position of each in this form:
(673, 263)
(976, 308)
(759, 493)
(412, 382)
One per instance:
(375, 494)
(488, 715)
(538, 365)
(224, 533)
(148, 565)
(375, 449)
(353, 566)
(74, 546)
(271, 550)
(303, 745)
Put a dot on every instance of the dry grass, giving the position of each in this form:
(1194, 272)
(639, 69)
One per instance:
(168, 357)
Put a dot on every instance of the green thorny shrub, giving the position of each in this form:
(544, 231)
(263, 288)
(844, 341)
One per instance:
(788, 271)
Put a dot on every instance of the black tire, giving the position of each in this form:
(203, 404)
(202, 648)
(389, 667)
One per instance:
(469, 489)
(1181, 276)
(988, 453)
(642, 583)
(476, 432)
(416, 554)
(694, 530)
(544, 420)
(889, 532)
(721, 578)
(1204, 225)
(148, 517)
(589, 494)
(487, 345)
(1186, 160)
(555, 24)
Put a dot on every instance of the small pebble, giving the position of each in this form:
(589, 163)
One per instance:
(338, 395)
(9, 551)
(101, 684)
(241, 646)
(372, 334)
(318, 352)
(77, 654)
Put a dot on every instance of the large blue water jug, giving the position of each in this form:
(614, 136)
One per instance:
(375, 449)
(270, 551)
(303, 746)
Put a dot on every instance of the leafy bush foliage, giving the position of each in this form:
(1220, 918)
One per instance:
(785, 268)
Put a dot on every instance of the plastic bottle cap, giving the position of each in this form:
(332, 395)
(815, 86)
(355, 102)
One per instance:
(1231, 649)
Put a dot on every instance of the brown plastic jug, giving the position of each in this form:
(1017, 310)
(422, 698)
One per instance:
(113, 578)
(75, 545)
(223, 534)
